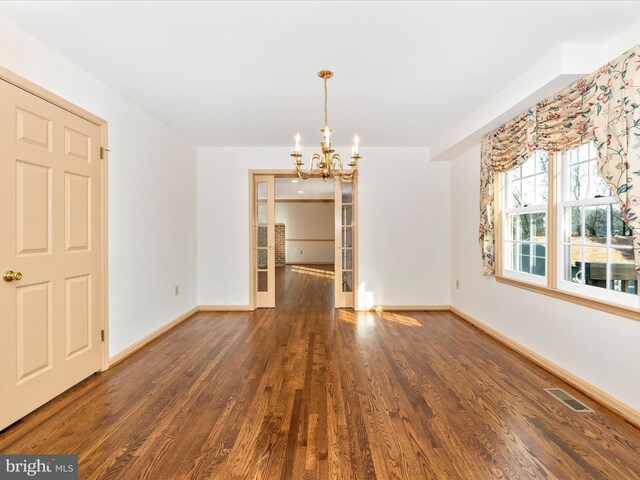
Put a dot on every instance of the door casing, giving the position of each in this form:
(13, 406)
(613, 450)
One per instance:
(252, 238)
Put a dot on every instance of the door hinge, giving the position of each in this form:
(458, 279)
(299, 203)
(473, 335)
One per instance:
(102, 335)
(102, 150)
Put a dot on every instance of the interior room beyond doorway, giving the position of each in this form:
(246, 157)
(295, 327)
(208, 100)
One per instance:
(304, 229)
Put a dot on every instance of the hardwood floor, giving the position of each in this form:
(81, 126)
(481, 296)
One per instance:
(304, 391)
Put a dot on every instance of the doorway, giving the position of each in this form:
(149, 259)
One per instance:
(304, 227)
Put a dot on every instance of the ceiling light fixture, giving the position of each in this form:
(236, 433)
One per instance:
(300, 191)
(329, 163)
(294, 181)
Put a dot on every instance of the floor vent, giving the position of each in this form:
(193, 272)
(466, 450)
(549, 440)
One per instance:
(571, 402)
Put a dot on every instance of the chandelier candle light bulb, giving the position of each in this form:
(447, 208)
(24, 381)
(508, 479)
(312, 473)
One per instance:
(297, 148)
(328, 163)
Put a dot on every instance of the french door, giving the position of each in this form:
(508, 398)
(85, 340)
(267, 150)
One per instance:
(345, 241)
(51, 291)
(264, 240)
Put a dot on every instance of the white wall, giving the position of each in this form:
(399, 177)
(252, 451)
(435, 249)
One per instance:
(403, 214)
(307, 221)
(152, 193)
(598, 347)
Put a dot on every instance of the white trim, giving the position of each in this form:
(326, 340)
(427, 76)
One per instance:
(599, 293)
(526, 277)
(147, 339)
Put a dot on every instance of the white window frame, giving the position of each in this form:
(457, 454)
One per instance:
(507, 241)
(598, 293)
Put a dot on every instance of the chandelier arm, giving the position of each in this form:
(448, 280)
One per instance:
(339, 158)
(307, 173)
(303, 175)
(317, 158)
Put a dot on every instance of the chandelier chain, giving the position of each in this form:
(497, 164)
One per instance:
(326, 123)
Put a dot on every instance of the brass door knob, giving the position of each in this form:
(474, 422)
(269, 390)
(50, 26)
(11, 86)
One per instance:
(10, 276)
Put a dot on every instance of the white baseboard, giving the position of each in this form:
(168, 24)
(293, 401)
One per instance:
(223, 308)
(629, 413)
(131, 349)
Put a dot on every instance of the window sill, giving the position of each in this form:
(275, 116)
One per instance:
(614, 309)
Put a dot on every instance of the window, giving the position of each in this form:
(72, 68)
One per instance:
(568, 238)
(525, 218)
(595, 246)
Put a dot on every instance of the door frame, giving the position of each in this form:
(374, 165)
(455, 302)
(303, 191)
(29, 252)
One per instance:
(279, 173)
(50, 97)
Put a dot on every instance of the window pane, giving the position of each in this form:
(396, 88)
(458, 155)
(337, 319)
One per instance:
(524, 257)
(528, 191)
(583, 151)
(597, 187)
(262, 191)
(512, 256)
(538, 222)
(263, 257)
(542, 186)
(542, 159)
(528, 167)
(263, 281)
(573, 225)
(347, 192)
(520, 226)
(347, 237)
(574, 265)
(572, 156)
(595, 224)
(347, 259)
(515, 173)
(578, 180)
(513, 227)
(262, 214)
(515, 194)
(347, 281)
(624, 277)
(539, 253)
(620, 233)
(262, 237)
(347, 214)
(595, 266)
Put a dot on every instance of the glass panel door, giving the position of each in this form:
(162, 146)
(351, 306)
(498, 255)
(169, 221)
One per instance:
(264, 227)
(345, 242)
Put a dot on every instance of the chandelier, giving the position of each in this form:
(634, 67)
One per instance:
(329, 163)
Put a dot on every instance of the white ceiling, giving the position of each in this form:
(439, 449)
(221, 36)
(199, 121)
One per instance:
(313, 188)
(244, 73)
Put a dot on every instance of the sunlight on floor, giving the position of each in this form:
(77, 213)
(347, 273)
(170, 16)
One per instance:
(316, 272)
(369, 318)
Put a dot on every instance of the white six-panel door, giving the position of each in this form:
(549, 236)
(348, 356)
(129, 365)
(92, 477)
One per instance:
(50, 215)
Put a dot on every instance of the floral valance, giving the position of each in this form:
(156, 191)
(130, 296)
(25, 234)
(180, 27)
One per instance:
(603, 107)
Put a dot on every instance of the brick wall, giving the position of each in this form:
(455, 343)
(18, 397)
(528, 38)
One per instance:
(280, 248)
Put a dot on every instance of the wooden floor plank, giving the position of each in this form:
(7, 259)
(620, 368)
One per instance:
(304, 391)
